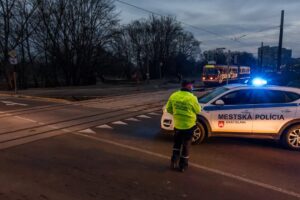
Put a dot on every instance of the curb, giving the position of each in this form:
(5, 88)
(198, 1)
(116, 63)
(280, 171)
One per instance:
(55, 100)
(61, 100)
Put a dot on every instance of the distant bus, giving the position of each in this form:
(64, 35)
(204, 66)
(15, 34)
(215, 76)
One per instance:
(219, 74)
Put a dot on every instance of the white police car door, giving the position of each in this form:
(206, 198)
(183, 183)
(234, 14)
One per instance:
(235, 115)
(272, 109)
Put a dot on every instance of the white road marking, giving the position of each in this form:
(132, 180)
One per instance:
(120, 123)
(153, 113)
(53, 126)
(26, 119)
(208, 169)
(132, 119)
(10, 103)
(66, 130)
(104, 126)
(90, 131)
(144, 116)
(4, 115)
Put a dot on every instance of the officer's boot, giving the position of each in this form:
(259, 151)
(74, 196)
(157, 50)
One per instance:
(183, 164)
(174, 162)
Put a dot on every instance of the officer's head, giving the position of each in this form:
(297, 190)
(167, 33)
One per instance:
(187, 85)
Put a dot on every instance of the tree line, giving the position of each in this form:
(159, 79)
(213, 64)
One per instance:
(58, 42)
(64, 43)
(234, 58)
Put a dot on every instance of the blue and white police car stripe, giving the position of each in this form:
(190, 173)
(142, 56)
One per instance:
(235, 107)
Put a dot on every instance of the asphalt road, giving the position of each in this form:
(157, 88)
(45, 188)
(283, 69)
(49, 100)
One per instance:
(113, 149)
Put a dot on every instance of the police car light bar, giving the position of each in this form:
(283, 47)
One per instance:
(259, 82)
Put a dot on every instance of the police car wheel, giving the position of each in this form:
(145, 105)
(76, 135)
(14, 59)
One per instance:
(198, 134)
(291, 138)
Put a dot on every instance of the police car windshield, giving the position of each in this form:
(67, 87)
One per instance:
(211, 95)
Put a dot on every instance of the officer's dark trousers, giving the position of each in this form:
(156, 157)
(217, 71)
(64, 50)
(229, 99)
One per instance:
(182, 143)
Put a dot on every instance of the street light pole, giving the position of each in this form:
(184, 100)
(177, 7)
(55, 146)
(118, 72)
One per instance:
(15, 79)
(261, 56)
(280, 42)
(13, 61)
(228, 60)
(148, 71)
(160, 70)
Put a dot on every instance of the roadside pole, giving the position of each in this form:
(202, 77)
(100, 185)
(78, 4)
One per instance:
(261, 56)
(15, 80)
(228, 62)
(160, 70)
(13, 61)
(280, 42)
(148, 72)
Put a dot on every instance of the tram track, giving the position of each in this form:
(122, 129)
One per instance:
(87, 103)
(47, 108)
(113, 112)
(20, 136)
(117, 109)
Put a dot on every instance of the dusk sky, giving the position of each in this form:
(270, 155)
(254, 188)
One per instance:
(252, 21)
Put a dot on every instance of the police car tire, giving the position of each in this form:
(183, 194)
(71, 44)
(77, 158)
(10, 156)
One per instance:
(288, 135)
(199, 130)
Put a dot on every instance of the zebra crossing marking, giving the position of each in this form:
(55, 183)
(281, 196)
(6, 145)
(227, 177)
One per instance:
(105, 126)
(90, 131)
(153, 113)
(133, 119)
(144, 116)
(120, 123)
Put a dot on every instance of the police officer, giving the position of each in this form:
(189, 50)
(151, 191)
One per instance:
(184, 107)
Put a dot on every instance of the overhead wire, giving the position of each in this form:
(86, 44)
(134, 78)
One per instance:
(187, 24)
(234, 39)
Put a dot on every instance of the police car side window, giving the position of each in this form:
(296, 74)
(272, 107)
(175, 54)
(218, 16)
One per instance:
(237, 97)
(290, 96)
(276, 96)
(273, 96)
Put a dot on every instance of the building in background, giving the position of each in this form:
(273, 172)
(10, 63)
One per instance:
(267, 55)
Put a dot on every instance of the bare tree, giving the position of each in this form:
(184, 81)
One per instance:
(72, 35)
(62, 42)
(153, 44)
(15, 16)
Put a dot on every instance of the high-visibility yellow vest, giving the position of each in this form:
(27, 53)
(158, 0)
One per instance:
(184, 107)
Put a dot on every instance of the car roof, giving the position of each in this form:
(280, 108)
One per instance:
(271, 87)
(231, 86)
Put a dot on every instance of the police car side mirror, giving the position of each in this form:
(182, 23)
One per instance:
(219, 102)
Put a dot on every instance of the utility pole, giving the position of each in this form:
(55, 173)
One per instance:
(228, 62)
(280, 42)
(160, 70)
(148, 71)
(261, 56)
(13, 61)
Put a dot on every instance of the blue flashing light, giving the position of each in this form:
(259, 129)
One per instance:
(259, 82)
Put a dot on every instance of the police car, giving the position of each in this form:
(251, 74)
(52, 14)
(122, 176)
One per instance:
(254, 111)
